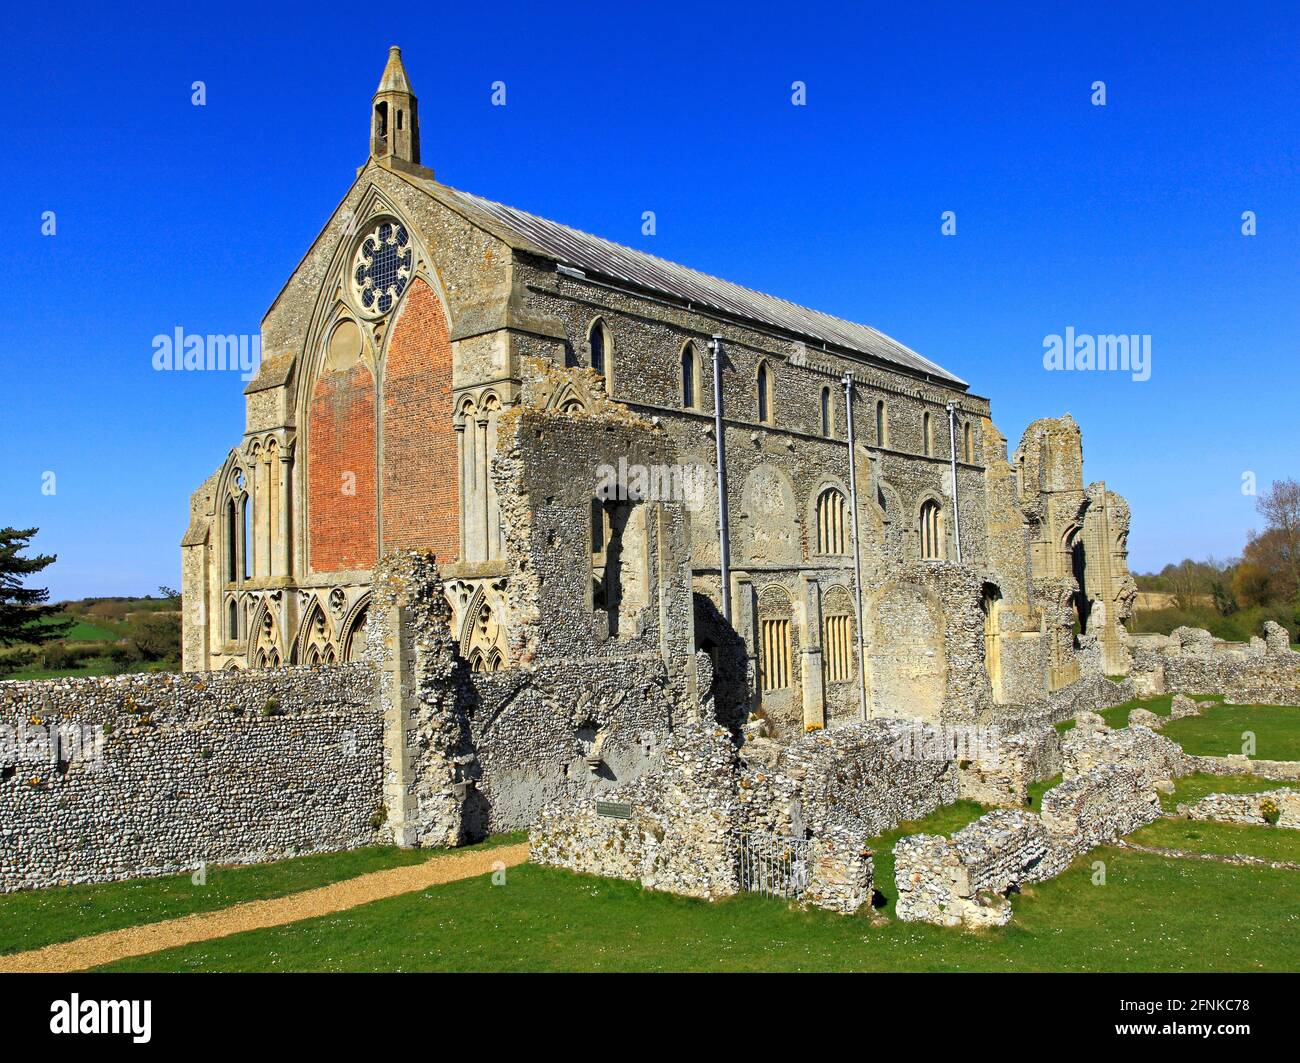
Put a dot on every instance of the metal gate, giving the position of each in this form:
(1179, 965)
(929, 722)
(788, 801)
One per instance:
(772, 864)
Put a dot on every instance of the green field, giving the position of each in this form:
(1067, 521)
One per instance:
(108, 636)
(1219, 731)
(34, 918)
(1152, 914)
(1225, 839)
(1117, 715)
(1191, 788)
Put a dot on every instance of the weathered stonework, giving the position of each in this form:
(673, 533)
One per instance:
(1109, 790)
(465, 414)
(1278, 808)
(1263, 672)
(185, 770)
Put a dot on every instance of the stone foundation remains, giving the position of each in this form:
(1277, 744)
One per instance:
(1108, 791)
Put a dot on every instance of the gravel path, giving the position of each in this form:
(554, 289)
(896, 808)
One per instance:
(114, 945)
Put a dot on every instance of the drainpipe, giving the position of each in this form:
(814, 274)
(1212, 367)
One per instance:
(857, 553)
(952, 454)
(724, 532)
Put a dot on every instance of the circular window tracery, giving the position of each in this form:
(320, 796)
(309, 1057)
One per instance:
(381, 267)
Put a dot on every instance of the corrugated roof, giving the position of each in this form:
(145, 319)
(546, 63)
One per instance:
(600, 258)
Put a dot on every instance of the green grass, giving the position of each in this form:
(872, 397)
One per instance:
(1218, 731)
(946, 820)
(1271, 843)
(34, 918)
(88, 631)
(1037, 789)
(1152, 914)
(1191, 788)
(1117, 715)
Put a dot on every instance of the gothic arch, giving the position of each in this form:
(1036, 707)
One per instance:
(265, 646)
(829, 527)
(776, 642)
(315, 643)
(353, 626)
(688, 384)
(931, 527)
(839, 634)
(483, 642)
(598, 349)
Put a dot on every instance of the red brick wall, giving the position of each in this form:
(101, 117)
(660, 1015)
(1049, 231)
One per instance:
(342, 440)
(421, 492)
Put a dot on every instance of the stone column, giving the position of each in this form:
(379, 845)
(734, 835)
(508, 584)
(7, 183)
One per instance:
(810, 655)
(283, 555)
(429, 762)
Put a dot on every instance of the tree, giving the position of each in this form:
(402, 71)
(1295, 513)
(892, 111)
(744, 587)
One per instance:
(23, 615)
(1280, 508)
(157, 637)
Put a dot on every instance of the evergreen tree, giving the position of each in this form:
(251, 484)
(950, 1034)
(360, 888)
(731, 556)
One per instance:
(23, 615)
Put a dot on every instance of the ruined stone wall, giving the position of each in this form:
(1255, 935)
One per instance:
(1280, 808)
(678, 828)
(1140, 750)
(562, 731)
(179, 770)
(470, 754)
(859, 779)
(1090, 694)
(1108, 791)
(675, 832)
(1264, 672)
(999, 771)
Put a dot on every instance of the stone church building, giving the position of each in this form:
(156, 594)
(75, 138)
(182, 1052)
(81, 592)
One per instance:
(810, 520)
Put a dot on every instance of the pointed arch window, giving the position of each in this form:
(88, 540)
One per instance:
(690, 388)
(600, 347)
(967, 443)
(763, 387)
(232, 543)
(827, 413)
(837, 646)
(232, 620)
(248, 536)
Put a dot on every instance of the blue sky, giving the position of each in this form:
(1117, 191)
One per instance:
(1117, 219)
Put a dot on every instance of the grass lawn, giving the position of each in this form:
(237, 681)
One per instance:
(1218, 731)
(33, 918)
(1037, 789)
(1270, 843)
(1151, 915)
(947, 820)
(1117, 715)
(1191, 788)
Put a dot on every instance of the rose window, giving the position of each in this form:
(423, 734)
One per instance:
(381, 268)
